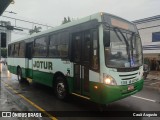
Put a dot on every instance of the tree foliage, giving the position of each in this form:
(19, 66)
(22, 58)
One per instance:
(66, 20)
(35, 30)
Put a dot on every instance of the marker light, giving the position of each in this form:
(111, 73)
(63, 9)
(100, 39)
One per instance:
(96, 87)
(109, 80)
(101, 13)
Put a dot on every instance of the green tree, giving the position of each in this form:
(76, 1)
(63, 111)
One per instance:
(66, 20)
(69, 20)
(35, 30)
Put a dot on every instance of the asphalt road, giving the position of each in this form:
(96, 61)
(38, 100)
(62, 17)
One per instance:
(36, 97)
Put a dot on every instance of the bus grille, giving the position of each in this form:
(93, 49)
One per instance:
(129, 76)
(128, 69)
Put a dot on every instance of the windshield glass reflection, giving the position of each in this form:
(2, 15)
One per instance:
(125, 49)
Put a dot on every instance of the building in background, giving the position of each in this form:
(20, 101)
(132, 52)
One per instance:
(4, 31)
(4, 28)
(4, 4)
(149, 29)
(5, 34)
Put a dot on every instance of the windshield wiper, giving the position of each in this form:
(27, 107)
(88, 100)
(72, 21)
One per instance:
(127, 44)
(132, 43)
(117, 34)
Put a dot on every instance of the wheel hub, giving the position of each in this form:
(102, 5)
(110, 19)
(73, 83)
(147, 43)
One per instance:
(60, 89)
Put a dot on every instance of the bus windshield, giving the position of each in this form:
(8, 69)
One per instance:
(124, 50)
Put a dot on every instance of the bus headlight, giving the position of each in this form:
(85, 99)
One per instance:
(109, 80)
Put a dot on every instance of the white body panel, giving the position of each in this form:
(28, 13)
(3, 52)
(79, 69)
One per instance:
(17, 62)
(57, 65)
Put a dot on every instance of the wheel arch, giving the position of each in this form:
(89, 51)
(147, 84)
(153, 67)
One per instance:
(23, 72)
(18, 67)
(56, 81)
(57, 74)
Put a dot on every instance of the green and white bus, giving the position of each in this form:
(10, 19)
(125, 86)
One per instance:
(98, 57)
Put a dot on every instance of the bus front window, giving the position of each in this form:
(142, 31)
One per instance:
(124, 49)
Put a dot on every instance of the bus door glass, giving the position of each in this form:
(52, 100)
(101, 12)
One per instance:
(29, 52)
(81, 54)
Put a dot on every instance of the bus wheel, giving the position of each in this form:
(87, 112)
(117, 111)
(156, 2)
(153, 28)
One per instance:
(19, 75)
(61, 88)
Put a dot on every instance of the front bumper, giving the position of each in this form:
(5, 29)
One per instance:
(107, 94)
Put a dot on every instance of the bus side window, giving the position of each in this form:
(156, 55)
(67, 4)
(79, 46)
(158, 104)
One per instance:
(12, 50)
(94, 60)
(63, 44)
(76, 47)
(53, 46)
(21, 49)
(17, 50)
(40, 47)
(9, 50)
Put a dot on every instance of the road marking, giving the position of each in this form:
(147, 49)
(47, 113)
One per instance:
(29, 101)
(81, 96)
(144, 98)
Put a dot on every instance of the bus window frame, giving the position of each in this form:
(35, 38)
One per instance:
(22, 56)
(58, 35)
(56, 45)
(36, 38)
(92, 50)
(81, 61)
(9, 50)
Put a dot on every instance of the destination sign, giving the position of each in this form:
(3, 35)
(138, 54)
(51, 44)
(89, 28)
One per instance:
(119, 23)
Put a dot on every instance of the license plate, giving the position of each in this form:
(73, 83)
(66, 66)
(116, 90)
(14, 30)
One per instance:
(130, 87)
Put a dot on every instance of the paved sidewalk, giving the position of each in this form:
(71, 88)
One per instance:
(8, 101)
(154, 75)
(153, 80)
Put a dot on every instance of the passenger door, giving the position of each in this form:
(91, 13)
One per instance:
(81, 44)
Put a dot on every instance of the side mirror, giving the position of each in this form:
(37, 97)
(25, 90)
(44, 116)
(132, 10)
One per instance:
(106, 38)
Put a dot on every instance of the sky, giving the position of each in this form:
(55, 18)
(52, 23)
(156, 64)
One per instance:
(52, 12)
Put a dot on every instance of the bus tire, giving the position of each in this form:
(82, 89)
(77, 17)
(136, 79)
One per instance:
(19, 75)
(103, 107)
(61, 89)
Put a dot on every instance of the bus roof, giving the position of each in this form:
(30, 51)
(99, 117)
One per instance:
(96, 16)
(63, 26)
